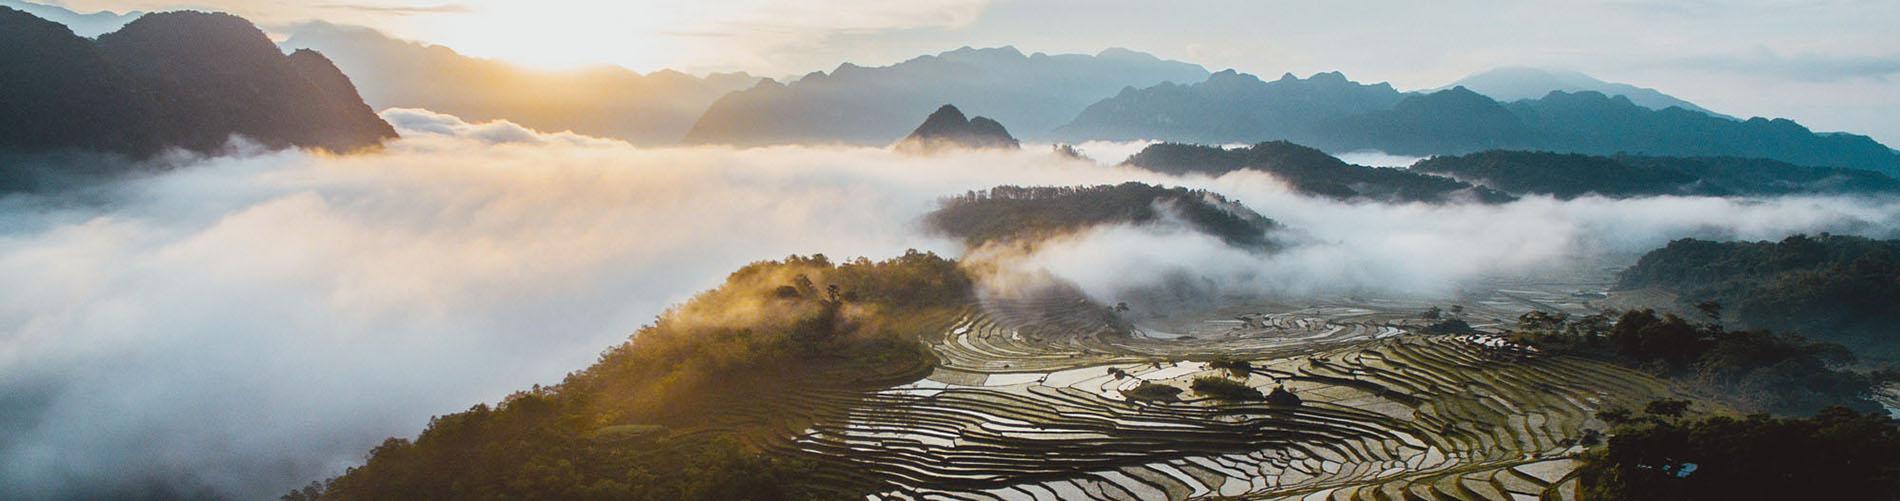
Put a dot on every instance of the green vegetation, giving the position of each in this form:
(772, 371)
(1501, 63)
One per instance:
(1014, 213)
(691, 406)
(1280, 396)
(1220, 388)
(1567, 176)
(1153, 392)
(1237, 367)
(1837, 454)
(1311, 172)
(1448, 326)
(1840, 289)
(1755, 370)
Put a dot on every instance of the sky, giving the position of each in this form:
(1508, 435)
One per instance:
(1831, 64)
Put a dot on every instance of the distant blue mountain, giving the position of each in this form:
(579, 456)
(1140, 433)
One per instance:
(1520, 83)
(1229, 107)
(85, 25)
(1332, 113)
(875, 106)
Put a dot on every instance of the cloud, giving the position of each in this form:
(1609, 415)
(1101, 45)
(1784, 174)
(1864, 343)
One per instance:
(237, 326)
(411, 121)
(1334, 249)
(400, 10)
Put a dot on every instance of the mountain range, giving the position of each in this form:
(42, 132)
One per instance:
(1569, 175)
(608, 101)
(68, 86)
(1333, 113)
(188, 80)
(89, 25)
(1501, 176)
(874, 105)
(1312, 172)
(1516, 83)
(1019, 215)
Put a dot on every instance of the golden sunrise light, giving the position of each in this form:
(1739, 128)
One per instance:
(949, 249)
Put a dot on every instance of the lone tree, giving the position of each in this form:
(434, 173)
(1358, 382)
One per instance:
(1280, 396)
(1220, 388)
(1710, 309)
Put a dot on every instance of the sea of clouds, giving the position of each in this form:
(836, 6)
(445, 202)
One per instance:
(237, 326)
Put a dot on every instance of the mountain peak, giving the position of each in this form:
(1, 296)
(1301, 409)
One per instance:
(1125, 54)
(948, 128)
(1329, 76)
(967, 52)
(944, 116)
(1517, 83)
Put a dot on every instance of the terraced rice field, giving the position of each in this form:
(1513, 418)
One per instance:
(1027, 402)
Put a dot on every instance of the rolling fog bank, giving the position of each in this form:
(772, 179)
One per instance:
(237, 326)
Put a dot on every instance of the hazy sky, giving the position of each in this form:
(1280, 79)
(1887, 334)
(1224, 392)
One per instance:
(1831, 64)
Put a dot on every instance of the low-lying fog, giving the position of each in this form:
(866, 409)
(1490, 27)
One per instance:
(238, 326)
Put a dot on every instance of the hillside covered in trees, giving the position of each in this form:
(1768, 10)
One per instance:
(1333, 113)
(1015, 213)
(1842, 289)
(1753, 370)
(696, 405)
(183, 79)
(1570, 175)
(1663, 455)
(1312, 172)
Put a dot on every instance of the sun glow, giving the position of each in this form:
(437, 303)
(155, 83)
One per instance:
(548, 35)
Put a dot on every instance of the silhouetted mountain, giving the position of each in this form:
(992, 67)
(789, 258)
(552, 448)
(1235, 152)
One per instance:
(1312, 172)
(1230, 108)
(1572, 175)
(947, 128)
(872, 106)
(85, 25)
(1023, 214)
(1456, 120)
(1590, 122)
(656, 108)
(189, 80)
(1519, 83)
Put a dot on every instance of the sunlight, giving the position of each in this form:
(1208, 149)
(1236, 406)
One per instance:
(549, 36)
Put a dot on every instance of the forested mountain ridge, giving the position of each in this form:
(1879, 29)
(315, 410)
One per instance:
(188, 80)
(1014, 213)
(696, 405)
(1334, 114)
(1571, 175)
(1842, 289)
(1311, 172)
(1229, 107)
(874, 105)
